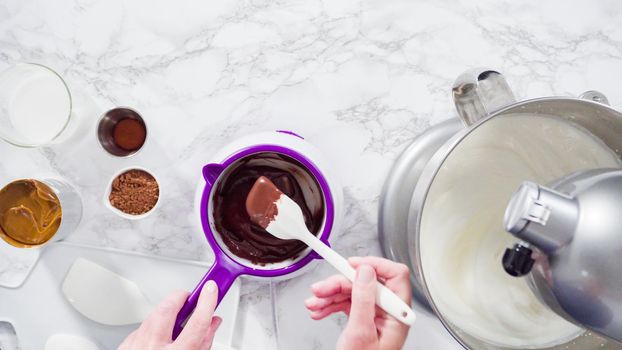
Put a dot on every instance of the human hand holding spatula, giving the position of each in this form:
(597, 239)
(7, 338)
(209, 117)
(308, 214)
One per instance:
(269, 208)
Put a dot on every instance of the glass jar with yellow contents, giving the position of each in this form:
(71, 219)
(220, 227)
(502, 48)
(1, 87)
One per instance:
(34, 212)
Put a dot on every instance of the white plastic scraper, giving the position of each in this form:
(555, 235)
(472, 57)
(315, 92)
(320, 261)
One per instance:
(104, 296)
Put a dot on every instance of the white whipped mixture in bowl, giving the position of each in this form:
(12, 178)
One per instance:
(462, 239)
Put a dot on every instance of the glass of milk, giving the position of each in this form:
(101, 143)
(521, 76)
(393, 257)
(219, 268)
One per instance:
(35, 105)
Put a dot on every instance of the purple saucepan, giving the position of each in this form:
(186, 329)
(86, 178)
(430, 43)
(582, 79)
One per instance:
(227, 267)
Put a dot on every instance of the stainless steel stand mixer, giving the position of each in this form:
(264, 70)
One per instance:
(577, 226)
(569, 243)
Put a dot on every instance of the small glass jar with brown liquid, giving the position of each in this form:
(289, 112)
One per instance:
(33, 212)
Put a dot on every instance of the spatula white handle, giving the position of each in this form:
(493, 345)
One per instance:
(385, 298)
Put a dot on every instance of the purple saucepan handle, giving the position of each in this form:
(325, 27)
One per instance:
(223, 273)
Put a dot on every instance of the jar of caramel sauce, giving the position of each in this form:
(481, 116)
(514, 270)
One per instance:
(30, 213)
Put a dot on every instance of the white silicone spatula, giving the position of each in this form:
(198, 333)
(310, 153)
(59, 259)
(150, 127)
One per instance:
(282, 217)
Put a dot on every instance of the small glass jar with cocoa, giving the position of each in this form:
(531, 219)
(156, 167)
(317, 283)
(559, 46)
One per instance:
(122, 132)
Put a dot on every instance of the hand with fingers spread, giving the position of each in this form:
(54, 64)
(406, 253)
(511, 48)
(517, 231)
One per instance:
(369, 327)
(156, 332)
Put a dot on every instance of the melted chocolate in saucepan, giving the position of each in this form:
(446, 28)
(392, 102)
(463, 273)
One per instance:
(232, 222)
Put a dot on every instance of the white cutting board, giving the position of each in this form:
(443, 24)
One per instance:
(38, 309)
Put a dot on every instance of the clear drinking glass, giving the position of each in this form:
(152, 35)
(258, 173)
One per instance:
(35, 105)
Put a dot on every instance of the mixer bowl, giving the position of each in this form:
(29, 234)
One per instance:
(480, 95)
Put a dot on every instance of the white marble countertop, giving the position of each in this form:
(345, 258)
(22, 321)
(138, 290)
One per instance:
(358, 78)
